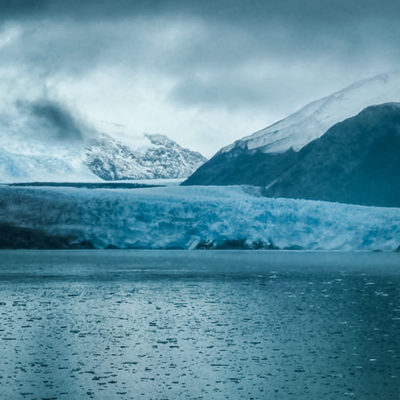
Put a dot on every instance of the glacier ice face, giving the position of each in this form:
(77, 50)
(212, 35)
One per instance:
(198, 217)
(313, 120)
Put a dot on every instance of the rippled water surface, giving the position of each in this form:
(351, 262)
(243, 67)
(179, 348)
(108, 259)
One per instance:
(199, 325)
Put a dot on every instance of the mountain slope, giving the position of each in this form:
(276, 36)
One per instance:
(161, 158)
(259, 158)
(356, 161)
(50, 163)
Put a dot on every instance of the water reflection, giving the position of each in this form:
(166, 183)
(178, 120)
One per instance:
(138, 325)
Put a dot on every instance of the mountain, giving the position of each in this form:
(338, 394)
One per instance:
(260, 158)
(43, 140)
(356, 161)
(96, 158)
(160, 158)
(25, 157)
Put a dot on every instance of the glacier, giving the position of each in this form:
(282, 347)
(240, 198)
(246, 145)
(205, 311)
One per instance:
(190, 217)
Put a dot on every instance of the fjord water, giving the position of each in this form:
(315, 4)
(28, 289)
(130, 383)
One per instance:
(199, 325)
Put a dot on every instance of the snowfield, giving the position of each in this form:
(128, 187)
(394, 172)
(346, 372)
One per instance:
(313, 120)
(160, 158)
(198, 217)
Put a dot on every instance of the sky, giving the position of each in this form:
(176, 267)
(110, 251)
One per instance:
(205, 73)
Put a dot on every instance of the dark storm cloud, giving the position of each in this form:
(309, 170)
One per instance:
(18, 8)
(232, 10)
(245, 52)
(53, 120)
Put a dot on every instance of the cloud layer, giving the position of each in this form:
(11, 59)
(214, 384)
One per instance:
(204, 73)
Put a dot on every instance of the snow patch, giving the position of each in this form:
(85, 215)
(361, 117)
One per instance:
(313, 120)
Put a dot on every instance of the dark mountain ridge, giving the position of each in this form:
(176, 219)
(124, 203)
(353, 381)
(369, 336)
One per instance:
(242, 167)
(356, 161)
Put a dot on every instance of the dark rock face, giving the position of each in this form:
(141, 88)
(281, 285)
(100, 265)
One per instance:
(15, 237)
(242, 167)
(356, 161)
(236, 244)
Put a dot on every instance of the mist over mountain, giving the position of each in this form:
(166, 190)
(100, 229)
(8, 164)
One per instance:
(44, 140)
(41, 139)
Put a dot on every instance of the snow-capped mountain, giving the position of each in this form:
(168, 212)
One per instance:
(44, 141)
(159, 158)
(263, 156)
(355, 161)
(313, 120)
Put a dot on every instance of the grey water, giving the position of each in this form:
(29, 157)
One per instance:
(199, 325)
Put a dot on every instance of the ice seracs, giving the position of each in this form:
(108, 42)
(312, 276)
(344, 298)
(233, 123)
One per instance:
(194, 217)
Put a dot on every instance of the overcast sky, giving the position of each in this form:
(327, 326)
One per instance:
(205, 73)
